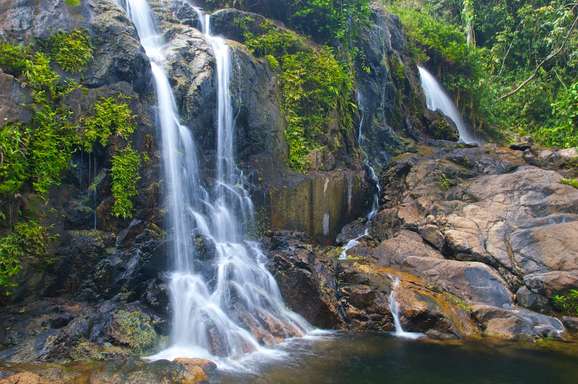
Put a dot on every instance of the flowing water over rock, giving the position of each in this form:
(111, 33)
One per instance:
(437, 100)
(394, 308)
(228, 305)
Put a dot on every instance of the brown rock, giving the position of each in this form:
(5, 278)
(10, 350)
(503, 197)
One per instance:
(197, 369)
(24, 378)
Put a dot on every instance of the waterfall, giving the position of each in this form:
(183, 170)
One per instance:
(225, 304)
(394, 308)
(370, 172)
(438, 100)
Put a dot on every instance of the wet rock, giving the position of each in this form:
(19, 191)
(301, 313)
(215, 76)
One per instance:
(517, 324)
(14, 98)
(306, 279)
(571, 323)
(132, 328)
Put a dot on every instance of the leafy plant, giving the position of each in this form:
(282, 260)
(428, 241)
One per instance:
(28, 239)
(567, 303)
(112, 115)
(72, 50)
(125, 178)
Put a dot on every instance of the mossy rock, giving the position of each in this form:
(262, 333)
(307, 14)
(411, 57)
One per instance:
(132, 329)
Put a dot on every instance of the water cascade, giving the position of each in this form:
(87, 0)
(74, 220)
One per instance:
(438, 100)
(227, 304)
(394, 308)
(370, 171)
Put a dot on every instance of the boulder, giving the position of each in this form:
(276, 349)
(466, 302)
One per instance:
(517, 324)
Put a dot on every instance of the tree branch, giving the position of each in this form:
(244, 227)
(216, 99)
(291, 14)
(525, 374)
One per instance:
(541, 64)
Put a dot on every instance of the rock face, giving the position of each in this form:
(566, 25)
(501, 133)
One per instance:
(479, 239)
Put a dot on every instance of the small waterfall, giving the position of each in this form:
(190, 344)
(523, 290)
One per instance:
(394, 308)
(438, 100)
(370, 172)
(225, 304)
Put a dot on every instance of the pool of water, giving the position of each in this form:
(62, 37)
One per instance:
(357, 359)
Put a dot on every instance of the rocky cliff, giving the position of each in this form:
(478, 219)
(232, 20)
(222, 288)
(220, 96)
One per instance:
(480, 237)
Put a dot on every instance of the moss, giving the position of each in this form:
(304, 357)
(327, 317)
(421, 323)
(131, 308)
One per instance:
(570, 182)
(134, 329)
(72, 51)
(314, 85)
(13, 58)
(26, 240)
(72, 3)
(125, 178)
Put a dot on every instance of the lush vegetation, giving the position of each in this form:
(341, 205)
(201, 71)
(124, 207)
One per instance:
(314, 85)
(34, 155)
(567, 303)
(28, 239)
(511, 65)
(125, 178)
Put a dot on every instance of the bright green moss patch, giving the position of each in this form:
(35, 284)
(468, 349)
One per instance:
(125, 178)
(570, 182)
(72, 3)
(72, 50)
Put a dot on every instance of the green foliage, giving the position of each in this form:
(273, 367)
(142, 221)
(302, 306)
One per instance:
(125, 178)
(14, 167)
(112, 115)
(329, 20)
(313, 84)
(39, 153)
(567, 303)
(28, 239)
(13, 58)
(72, 3)
(72, 50)
(512, 37)
(570, 182)
(564, 130)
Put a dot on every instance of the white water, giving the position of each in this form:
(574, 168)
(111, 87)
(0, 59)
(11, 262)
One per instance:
(229, 304)
(438, 100)
(394, 308)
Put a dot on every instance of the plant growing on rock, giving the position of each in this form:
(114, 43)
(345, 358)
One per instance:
(125, 178)
(567, 303)
(28, 239)
(72, 50)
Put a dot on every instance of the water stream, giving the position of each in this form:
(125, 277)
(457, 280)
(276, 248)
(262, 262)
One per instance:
(438, 100)
(370, 172)
(227, 305)
(394, 309)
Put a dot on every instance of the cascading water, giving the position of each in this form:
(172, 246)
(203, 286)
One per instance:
(229, 304)
(370, 171)
(437, 100)
(394, 308)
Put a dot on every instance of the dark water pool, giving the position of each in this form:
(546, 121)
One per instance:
(385, 359)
